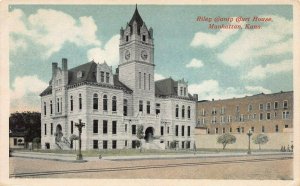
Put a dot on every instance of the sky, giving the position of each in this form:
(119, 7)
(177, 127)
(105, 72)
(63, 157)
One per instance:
(217, 63)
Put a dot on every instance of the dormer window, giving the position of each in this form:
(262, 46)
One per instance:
(144, 38)
(79, 74)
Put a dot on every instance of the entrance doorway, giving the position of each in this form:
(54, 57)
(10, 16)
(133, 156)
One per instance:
(58, 133)
(149, 133)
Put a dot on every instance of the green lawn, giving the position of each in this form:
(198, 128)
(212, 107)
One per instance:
(134, 152)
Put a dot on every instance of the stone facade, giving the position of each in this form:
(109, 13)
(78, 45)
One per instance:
(262, 113)
(113, 106)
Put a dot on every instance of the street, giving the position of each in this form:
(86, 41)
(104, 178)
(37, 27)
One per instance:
(246, 167)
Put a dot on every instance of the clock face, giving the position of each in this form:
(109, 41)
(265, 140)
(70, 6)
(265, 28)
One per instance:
(127, 54)
(144, 54)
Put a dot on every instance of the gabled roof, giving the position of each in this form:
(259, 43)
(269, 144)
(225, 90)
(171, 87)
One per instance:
(89, 72)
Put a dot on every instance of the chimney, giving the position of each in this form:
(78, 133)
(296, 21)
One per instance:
(64, 64)
(195, 96)
(54, 67)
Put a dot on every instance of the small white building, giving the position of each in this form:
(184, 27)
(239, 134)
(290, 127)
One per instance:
(114, 105)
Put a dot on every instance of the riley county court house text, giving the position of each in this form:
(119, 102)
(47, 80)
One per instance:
(113, 105)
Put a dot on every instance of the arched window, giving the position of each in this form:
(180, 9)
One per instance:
(114, 103)
(51, 110)
(177, 111)
(95, 101)
(57, 103)
(105, 102)
(189, 112)
(125, 107)
(183, 110)
(148, 107)
(71, 103)
(45, 109)
(80, 102)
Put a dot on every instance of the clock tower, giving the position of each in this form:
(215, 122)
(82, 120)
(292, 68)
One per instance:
(136, 66)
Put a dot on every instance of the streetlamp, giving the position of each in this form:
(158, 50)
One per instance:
(249, 135)
(79, 126)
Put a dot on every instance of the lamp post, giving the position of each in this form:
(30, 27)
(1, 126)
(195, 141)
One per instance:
(249, 135)
(79, 126)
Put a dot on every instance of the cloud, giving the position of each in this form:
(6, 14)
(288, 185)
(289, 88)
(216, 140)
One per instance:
(210, 89)
(51, 29)
(258, 89)
(109, 53)
(195, 63)
(272, 39)
(212, 40)
(158, 77)
(24, 93)
(260, 72)
(26, 84)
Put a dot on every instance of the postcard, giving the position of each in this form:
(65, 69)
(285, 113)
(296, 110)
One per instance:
(150, 93)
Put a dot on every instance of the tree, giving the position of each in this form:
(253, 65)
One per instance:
(27, 122)
(140, 135)
(260, 139)
(225, 139)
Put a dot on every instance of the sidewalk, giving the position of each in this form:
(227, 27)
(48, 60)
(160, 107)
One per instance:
(72, 157)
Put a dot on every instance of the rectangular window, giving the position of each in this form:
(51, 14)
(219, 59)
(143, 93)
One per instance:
(223, 130)
(249, 107)
(71, 104)
(222, 119)
(161, 130)
(229, 119)
(223, 110)
(189, 131)
(133, 144)
(261, 106)
(105, 144)
(149, 77)
(114, 144)
(141, 106)
(285, 104)
(15, 141)
(252, 129)
(285, 114)
(133, 129)
(104, 126)
(57, 103)
(268, 106)
(261, 116)
(95, 126)
(95, 144)
(140, 80)
(102, 76)
(203, 112)
(168, 130)
(268, 116)
(72, 127)
(214, 111)
(276, 105)
(157, 108)
(184, 91)
(237, 108)
(182, 144)
(286, 126)
(238, 130)
(51, 128)
(176, 130)
(45, 129)
(230, 129)
(214, 120)
(51, 109)
(217, 131)
(148, 107)
(114, 127)
(125, 143)
(182, 130)
(127, 38)
(276, 128)
(126, 128)
(242, 129)
(263, 129)
(144, 38)
(107, 77)
(125, 107)
(180, 91)
(144, 81)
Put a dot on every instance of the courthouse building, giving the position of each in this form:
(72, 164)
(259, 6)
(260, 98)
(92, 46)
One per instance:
(261, 113)
(113, 105)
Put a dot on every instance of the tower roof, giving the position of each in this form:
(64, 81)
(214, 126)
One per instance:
(136, 17)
